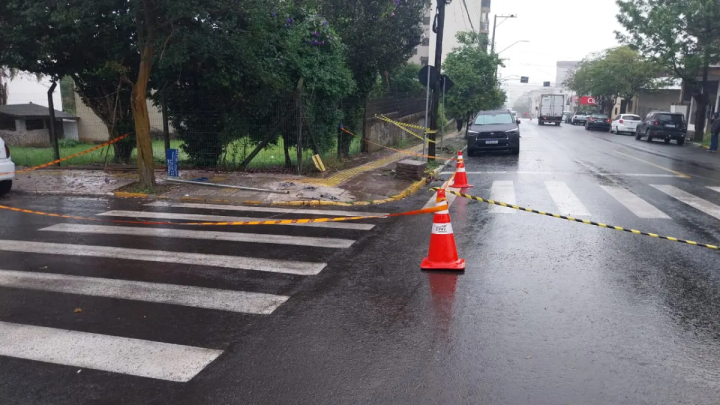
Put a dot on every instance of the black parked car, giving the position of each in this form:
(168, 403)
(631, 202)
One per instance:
(663, 125)
(494, 130)
(599, 121)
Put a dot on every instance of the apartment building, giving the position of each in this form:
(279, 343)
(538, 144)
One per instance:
(421, 55)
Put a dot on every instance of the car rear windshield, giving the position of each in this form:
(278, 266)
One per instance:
(599, 116)
(631, 117)
(675, 118)
(492, 119)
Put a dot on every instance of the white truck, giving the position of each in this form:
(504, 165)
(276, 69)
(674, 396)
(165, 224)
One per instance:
(551, 109)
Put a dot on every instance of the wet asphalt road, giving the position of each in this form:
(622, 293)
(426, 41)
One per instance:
(547, 312)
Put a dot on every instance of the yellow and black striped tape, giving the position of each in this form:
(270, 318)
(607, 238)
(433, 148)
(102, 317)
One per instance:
(402, 124)
(583, 221)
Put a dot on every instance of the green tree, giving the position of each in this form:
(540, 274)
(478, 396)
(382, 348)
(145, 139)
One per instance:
(472, 70)
(100, 44)
(380, 36)
(680, 36)
(617, 72)
(241, 81)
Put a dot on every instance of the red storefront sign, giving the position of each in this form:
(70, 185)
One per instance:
(586, 100)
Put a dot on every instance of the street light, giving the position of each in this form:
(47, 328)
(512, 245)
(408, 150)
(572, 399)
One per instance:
(513, 44)
(495, 24)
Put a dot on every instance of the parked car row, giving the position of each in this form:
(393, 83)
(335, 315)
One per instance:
(7, 169)
(664, 125)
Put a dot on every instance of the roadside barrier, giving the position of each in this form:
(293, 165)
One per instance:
(582, 221)
(342, 128)
(461, 180)
(265, 222)
(54, 162)
(442, 253)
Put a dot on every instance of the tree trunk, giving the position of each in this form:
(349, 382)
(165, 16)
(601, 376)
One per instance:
(138, 102)
(702, 100)
(286, 147)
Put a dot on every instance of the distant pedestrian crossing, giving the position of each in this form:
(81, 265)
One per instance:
(153, 245)
(576, 199)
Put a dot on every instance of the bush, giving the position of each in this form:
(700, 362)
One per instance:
(68, 143)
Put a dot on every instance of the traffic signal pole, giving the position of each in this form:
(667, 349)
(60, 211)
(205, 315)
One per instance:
(439, 28)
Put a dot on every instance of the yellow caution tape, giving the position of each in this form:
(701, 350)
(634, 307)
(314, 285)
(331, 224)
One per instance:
(398, 124)
(236, 223)
(583, 221)
(429, 131)
(396, 150)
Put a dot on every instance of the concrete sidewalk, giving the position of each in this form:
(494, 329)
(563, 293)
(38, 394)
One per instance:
(370, 183)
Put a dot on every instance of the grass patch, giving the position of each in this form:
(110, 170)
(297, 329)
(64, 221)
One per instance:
(235, 153)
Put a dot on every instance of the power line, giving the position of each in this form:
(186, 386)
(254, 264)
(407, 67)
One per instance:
(468, 14)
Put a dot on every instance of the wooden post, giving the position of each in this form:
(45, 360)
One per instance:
(53, 135)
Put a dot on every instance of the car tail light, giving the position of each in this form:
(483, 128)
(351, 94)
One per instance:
(7, 151)
(621, 121)
(608, 120)
(592, 119)
(656, 123)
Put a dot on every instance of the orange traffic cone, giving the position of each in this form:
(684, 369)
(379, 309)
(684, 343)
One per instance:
(460, 176)
(443, 253)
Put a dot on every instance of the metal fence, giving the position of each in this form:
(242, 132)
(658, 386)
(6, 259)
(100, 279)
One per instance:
(218, 139)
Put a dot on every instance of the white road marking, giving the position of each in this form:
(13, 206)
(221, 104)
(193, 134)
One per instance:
(251, 208)
(198, 297)
(715, 189)
(142, 358)
(330, 243)
(181, 258)
(221, 218)
(566, 201)
(691, 200)
(502, 191)
(635, 204)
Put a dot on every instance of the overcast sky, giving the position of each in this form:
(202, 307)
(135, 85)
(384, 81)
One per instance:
(558, 30)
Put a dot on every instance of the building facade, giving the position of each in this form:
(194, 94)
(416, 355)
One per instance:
(421, 55)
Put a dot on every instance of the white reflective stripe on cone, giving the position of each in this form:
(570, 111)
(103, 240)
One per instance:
(461, 170)
(442, 229)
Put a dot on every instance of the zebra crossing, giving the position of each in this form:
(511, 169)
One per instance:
(559, 197)
(156, 359)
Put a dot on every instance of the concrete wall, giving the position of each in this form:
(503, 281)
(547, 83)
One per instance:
(387, 134)
(22, 137)
(655, 100)
(91, 128)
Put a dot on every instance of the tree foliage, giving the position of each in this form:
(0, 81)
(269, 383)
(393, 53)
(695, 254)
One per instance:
(617, 72)
(682, 37)
(380, 36)
(472, 70)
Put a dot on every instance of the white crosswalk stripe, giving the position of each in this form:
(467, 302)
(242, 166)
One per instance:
(221, 218)
(111, 252)
(330, 243)
(147, 358)
(690, 199)
(198, 297)
(136, 357)
(503, 191)
(566, 201)
(635, 204)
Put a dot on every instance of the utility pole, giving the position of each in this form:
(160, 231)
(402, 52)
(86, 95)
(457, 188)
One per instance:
(492, 44)
(438, 65)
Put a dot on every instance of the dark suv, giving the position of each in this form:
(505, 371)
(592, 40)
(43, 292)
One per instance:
(494, 130)
(663, 125)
